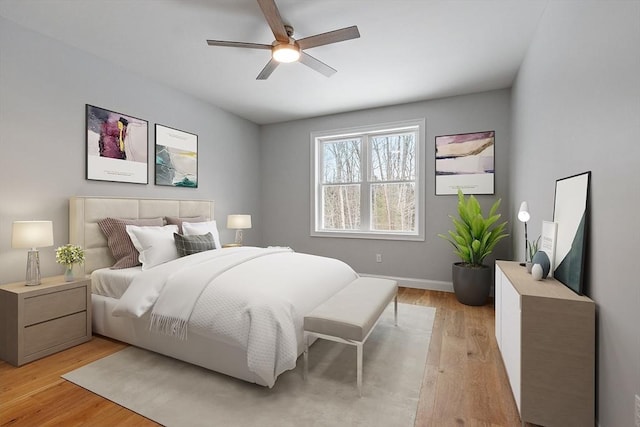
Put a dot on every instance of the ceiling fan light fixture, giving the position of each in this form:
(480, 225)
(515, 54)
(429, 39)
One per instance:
(286, 52)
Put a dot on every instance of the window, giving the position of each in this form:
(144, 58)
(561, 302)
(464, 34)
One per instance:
(368, 182)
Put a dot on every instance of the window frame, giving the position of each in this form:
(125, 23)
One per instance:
(316, 140)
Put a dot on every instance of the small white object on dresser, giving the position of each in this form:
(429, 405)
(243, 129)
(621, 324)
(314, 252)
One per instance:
(36, 321)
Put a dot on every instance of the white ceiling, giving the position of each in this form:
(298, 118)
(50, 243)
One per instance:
(409, 50)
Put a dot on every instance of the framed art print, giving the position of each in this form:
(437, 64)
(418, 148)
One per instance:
(176, 157)
(117, 147)
(548, 242)
(571, 213)
(466, 162)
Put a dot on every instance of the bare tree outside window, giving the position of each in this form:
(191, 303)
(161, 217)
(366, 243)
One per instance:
(341, 178)
(393, 167)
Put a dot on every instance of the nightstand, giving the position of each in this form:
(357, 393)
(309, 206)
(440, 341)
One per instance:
(36, 321)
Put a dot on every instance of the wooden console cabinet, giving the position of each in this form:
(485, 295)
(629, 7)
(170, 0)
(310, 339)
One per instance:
(546, 336)
(36, 321)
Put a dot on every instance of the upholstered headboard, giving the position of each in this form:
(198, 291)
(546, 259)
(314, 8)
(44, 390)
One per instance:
(85, 212)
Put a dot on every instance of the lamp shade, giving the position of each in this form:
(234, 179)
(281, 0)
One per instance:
(523, 213)
(31, 234)
(238, 222)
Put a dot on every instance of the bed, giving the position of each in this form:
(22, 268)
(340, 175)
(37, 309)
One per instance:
(282, 286)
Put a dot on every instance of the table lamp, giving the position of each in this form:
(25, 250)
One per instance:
(524, 216)
(31, 235)
(238, 223)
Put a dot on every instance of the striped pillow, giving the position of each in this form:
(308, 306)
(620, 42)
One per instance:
(119, 242)
(188, 245)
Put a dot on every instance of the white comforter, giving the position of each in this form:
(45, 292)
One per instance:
(249, 297)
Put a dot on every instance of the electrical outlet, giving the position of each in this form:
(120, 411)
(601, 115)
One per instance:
(637, 411)
(378, 257)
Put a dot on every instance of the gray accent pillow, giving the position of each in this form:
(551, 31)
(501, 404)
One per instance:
(173, 220)
(119, 242)
(188, 245)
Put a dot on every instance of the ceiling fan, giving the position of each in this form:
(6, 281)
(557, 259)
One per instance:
(287, 49)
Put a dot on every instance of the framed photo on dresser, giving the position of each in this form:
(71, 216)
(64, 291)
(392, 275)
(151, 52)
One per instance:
(571, 213)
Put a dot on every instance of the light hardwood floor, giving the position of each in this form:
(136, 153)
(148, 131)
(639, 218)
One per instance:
(464, 379)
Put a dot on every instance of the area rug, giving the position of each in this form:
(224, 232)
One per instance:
(174, 393)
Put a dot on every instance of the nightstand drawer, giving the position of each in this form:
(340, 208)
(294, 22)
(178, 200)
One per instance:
(55, 332)
(56, 304)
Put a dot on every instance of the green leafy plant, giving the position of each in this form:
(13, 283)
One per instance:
(475, 236)
(533, 247)
(69, 255)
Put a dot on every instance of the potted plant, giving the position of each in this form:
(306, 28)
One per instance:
(473, 239)
(68, 255)
(533, 248)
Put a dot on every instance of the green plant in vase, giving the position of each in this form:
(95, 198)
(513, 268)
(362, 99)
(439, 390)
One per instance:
(69, 255)
(475, 236)
(533, 247)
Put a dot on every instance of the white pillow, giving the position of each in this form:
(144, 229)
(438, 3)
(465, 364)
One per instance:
(195, 228)
(155, 244)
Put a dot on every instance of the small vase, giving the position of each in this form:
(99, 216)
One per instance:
(68, 273)
(529, 266)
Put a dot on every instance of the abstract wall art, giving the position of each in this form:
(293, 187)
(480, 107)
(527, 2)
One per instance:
(571, 213)
(117, 147)
(176, 157)
(466, 162)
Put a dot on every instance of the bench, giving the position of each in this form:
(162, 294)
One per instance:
(350, 315)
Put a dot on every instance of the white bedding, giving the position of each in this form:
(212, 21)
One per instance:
(248, 297)
(113, 283)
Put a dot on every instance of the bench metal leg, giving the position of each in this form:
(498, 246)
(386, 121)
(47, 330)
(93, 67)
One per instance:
(309, 336)
(305, 371)
(395, 310)
(359, 345)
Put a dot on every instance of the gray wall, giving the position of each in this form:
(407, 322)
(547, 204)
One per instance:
(576, 107)
(44, 86)
(285, 164)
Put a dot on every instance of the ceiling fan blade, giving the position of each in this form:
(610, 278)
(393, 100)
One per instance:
(238, 44)
(271, 13)
(317, 65)
(330, 37)
(267, 70)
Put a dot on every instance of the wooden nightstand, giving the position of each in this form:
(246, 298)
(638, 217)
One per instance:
(36, 321)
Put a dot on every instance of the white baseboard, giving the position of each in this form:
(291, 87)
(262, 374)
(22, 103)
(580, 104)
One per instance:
(407, 282)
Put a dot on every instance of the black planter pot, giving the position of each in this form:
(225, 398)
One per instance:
(472, 285)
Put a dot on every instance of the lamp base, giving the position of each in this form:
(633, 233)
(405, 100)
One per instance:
(238, 237)
(33, 268)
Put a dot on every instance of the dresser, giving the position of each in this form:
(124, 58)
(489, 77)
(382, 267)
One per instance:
(546, 336)
(36, 321)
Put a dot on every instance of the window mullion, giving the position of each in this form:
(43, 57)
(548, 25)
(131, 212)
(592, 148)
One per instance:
(365, 188)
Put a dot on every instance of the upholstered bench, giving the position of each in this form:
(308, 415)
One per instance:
(350, 315)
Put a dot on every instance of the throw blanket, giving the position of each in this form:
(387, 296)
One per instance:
(174, 295)
(249, 297)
